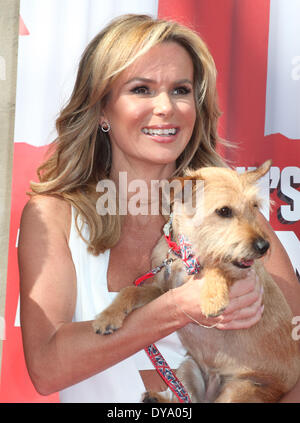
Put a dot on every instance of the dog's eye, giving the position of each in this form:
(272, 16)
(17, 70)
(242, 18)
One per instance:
(224, 212)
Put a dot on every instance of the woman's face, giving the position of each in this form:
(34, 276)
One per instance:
(151, 108)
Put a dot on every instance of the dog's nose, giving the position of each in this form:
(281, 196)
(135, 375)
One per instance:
(261, 245)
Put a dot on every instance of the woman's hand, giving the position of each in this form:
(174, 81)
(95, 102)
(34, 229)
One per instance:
(246, 304)
(244, 310)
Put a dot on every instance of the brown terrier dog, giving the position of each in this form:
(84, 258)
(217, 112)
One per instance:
(258, 364)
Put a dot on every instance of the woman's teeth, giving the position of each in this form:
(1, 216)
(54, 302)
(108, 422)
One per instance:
(171, 131)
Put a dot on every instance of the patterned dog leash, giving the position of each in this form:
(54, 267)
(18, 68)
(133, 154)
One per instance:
(183, 251)
(157, 359)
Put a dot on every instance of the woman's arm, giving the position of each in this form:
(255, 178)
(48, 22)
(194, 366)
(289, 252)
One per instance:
(279, 266)
(58, 351)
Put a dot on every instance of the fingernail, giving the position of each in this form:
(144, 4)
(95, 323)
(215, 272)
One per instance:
(262, 308)
(261, 289)
(220, 326)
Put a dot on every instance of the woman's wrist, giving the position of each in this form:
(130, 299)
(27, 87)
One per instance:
(185, 312)
(181, 315)
(178, 317)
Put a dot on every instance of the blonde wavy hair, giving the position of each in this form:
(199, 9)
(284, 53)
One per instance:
(80, 156)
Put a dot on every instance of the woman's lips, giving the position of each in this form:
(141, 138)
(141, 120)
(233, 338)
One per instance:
(163, 134)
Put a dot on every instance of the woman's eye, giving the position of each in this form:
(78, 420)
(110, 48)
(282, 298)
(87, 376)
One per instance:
(140, 90)
(181, 90)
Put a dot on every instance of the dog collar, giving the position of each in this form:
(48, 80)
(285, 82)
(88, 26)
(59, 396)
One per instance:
(183, 250)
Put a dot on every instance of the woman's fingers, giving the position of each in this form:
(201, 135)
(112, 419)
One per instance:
(244, 293)
(246, 304)
(242, 324)
(244, 313)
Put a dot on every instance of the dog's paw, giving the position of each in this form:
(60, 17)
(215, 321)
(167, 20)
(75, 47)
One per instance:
(149, 397)
(219, 312)
(213, 308)
(214, 292)
(108, 322)
(166, 396)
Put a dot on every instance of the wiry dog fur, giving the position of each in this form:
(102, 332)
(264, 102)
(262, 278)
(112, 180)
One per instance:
(259, 364)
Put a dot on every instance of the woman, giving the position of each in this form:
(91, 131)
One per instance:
(144, 103)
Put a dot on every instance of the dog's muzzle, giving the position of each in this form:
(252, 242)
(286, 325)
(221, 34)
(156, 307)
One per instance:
(260, 247)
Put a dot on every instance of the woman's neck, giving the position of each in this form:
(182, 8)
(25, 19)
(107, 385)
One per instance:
(138, 189)
(142, 172)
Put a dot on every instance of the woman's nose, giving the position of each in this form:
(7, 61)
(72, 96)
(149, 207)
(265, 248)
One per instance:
(163, 104)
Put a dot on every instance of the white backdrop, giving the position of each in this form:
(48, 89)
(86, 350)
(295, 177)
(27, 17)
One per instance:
(48, 58)
(283, 79)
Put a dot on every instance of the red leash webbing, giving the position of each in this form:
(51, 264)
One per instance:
(160, 364)
(167, 374)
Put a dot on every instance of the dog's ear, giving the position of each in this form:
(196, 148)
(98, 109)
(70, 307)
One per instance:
(253, 175)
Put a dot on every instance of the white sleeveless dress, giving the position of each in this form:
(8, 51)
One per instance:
(121, 382)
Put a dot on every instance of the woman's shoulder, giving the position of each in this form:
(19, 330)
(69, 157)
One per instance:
(52, 211)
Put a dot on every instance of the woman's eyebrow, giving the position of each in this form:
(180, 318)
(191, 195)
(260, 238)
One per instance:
(138, 79)
(151, 81)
